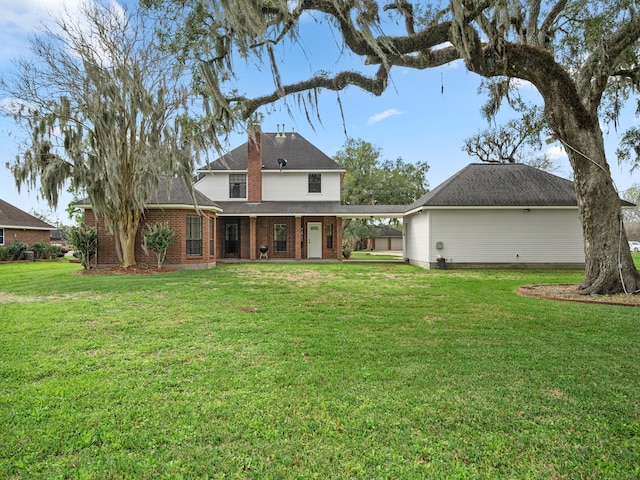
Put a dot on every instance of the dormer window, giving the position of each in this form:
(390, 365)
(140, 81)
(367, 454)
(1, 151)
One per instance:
(315, 183)
(238, 185)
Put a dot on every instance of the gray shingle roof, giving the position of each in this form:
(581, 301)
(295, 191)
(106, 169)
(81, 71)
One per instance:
(310, 208)
(11, 216)
(171, 191)
(299, 153)
(174, 191)
(500, 185)
(388, 232)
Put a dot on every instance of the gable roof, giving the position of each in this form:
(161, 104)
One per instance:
(13, 217)
(299, 153)
(500, 185)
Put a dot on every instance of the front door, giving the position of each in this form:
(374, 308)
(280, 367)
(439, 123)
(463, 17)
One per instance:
(314, 240)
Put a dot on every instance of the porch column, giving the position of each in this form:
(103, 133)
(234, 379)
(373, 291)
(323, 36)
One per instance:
(252, 239)
(339, 237)
(298, 239)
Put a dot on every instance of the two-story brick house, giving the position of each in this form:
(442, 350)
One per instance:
(279, 192)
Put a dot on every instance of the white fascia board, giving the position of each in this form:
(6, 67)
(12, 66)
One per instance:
(183, 207)
(172, 207)
(490, 207)
(24, 227)
(371, 215)
(302, 170)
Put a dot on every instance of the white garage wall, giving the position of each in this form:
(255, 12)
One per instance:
(507, 236)
(416, 237)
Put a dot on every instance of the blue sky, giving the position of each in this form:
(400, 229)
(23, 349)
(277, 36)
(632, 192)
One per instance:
(423, 115)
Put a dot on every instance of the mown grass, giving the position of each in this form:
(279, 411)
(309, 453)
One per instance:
(312, 371)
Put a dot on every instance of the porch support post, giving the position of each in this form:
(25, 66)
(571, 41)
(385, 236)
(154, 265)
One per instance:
(253, 248)
(339, 238)
(298, 239)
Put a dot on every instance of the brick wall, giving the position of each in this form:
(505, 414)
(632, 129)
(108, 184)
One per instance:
(177, 253)
(335, 251)
(264, 233)
(26, 236)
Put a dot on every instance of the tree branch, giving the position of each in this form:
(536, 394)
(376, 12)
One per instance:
(600, 65)
(544, 34)
(375, 85)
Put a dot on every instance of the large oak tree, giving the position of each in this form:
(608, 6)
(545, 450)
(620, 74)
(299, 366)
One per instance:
(105, 112)
(580, 55)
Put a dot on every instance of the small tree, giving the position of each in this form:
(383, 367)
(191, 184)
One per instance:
(84, 242)
(158, 237)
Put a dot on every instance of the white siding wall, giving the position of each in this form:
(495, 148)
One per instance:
(276, 186)
(505, 236)
(216, 187)
(416, 238)
(294, 186)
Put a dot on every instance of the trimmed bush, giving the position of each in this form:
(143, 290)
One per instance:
(158, 237)
(16, 250)
(41, 250)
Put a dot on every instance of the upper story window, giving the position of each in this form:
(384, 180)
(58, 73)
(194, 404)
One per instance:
(238, 185)
(315, 183)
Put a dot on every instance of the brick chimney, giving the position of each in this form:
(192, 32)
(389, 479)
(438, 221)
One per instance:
(254, 165)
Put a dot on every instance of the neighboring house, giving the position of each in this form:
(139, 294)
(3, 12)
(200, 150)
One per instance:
(496, 215)
(386, 239)
(18, 226)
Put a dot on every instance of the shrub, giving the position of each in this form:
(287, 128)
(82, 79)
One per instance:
(158, 237)
(3, 254)
(346, 252)
(16, 250)
(84, 242)
(41, 250)
(56, 251)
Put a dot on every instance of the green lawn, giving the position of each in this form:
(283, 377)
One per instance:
(313, 371)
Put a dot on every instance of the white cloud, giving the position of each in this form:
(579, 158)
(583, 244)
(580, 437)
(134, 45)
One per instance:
(15, 106)
(556, 153)
(27, 16)
(384, 115)
(21, 18)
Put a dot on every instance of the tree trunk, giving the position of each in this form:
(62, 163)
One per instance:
(609, 265)
(127, 229)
